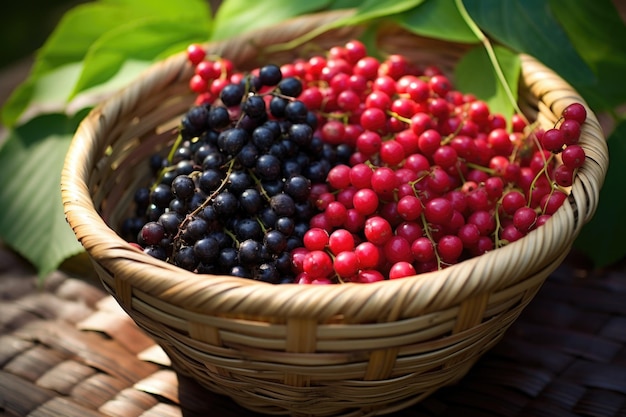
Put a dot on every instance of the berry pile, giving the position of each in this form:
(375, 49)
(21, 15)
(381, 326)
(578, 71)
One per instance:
(346, 168)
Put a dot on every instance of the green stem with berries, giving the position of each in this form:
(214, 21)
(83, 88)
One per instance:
(490, 53)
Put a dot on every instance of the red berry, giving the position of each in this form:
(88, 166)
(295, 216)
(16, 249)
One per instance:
(524, 219)
(368, 142)
(421, 122)
(365, 201)
(484, 221)
(374, 119)
(423, 249)
(553, 140)
(384, 182)
(354, 221)
(346, 264)
(551, 202)
(438, 210)
(409, 207)
(315, 239)
(195, 53)
(369, 275)
(440, 85)
(197, 84)
(377, 230)
(575, 111)
(450, 248)
(206, 70)
(355, 50)
(340, 240)
(367, 67)
(336, 213)
(510, 233)
(573, 156)
(361, 176)
(518, 123)
(445, 156)
(571, 131)
(513, 200)
(564, 175)
(385, 84)
(397, 249)
(401, 270)
(368, 255)
(500, 142)
(379, 100)
(469, 235)
(429, 141)
(391, 152)
(348, 100)
(317, 264)
(409, 230)
(417, 163)
(333, 132)
(312, 98)
(339, 177)
(479, 112)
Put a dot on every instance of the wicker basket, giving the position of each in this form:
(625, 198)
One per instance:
(353, 349)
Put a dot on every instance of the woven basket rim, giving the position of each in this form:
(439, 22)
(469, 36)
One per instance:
(430, 290)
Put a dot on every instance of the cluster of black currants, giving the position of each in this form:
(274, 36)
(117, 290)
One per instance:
(232, 195)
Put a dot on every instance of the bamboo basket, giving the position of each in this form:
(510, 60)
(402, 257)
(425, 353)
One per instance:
(349, 350)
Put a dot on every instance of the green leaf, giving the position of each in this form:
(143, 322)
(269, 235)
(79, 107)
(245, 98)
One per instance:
(475, 74)
(438, 19)
(67, 45)
(529, 26)
(139, 40)
(47, 92)
(374, 9)
(234, 17)
(80, 28)
(602, 239)
(32, 221)
(368, 11)
(344, 4)
(597, 32)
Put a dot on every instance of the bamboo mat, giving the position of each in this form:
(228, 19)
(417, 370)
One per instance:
(67, 349)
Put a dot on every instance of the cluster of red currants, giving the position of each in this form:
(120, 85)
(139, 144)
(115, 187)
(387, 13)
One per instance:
(434, 178)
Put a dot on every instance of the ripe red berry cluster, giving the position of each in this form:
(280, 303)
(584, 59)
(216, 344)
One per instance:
(434, 177)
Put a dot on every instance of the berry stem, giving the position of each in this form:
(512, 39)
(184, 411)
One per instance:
(187, 219)
(430, 237)
(490, 52)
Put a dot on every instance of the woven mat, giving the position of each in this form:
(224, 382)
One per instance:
(67, 349)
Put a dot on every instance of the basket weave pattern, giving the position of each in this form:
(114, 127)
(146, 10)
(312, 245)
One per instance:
(351, 350)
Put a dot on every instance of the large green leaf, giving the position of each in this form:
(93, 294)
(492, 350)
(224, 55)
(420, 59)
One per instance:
(476, 74)
(234, 17)
(374, 9)
(139, 40)
(602, 239)
(438, 19)
(598, 33)
(47, 92)
(367, 11)
(32, 220)
(529, 26)
(68, 44)
(80, 28)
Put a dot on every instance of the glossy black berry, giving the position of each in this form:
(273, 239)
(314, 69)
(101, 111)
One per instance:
(218, 117)
(183, 187)
(206, 249)
(270, 75)
(232, 94)
(290, 86)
